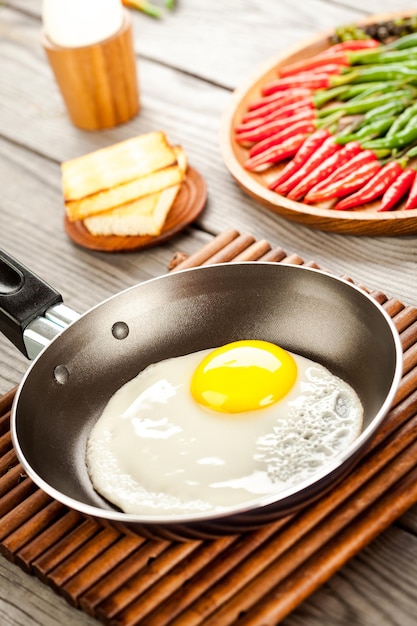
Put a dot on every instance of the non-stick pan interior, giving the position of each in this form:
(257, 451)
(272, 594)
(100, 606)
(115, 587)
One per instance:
(303, 310)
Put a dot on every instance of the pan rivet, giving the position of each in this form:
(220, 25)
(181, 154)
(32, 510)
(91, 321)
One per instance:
(120, 330)
(61, 374)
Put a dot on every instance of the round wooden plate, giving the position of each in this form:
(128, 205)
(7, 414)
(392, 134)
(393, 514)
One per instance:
(188, 205)
(365, 220)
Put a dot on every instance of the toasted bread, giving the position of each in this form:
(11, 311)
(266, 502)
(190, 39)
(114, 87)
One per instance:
(122, 194)
(145, 216)
(115, 165)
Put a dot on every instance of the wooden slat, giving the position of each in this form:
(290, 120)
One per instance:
(127, 591)
(5, 442)
(234, 554)
(125, 580)
(109, 558)
(315, 572)
(30, 529)
(78, 559)
(7, 461)
(10, 478)
(69, 544)
(27, 556)
(13, 505)
(121, 575)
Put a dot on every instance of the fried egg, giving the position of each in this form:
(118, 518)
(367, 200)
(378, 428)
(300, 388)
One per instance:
(216, 429)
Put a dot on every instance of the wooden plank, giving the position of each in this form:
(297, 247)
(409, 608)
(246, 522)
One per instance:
(170, 39)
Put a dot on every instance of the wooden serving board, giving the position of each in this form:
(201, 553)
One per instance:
(363, 220)
(260, 577)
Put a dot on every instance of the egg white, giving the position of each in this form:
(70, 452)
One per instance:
(154, 451)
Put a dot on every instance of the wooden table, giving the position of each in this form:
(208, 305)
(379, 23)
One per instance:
(188, 63)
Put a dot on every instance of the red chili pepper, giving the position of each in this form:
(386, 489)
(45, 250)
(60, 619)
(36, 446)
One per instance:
(412, 196)
(324, 169)
(352, 44)
(351, 183)
(307, 149)
(316, 193)
(275, 154)
(286, 98)
(266, 130)
(307, 79)
(373, 189)
(397, 190)
(329, 68)
(280, 112)
(337, 57)
(327, 148)
(279, 95)
(304, 126)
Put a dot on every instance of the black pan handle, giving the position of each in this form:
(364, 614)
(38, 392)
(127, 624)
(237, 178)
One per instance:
(23, 297)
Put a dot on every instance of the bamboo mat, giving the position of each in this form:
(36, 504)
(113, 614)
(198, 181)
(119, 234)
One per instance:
(259, 577)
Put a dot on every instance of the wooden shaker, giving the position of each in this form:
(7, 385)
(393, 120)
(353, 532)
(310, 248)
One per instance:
(98, 82)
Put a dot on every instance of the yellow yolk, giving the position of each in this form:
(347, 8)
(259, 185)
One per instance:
(243, 376)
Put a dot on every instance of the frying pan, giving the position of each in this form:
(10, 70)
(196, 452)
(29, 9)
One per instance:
(84, 359)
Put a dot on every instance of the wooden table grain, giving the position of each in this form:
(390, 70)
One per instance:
(188, 63)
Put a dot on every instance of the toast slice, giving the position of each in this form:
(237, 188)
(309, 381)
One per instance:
(145, 216)
(122, 194)
(116, 164)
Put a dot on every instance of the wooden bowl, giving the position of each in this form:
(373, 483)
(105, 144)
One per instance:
(365, 220)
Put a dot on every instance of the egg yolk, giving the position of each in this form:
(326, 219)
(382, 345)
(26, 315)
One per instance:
(243, 376)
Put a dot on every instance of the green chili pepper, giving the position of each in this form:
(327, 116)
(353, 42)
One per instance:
(412, 153)
(385, 56)
(371, 87)
(362, 106)
(402, 43)
(387, 109)
(378, 113)
(370, 131)
(409, 64)
(403, 120)
(366, 93)
(401, 139)
(326, 95)
(375, 73)
(383, 112)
